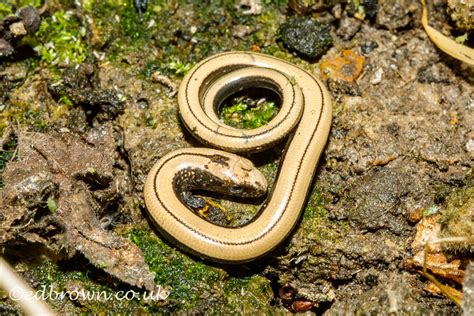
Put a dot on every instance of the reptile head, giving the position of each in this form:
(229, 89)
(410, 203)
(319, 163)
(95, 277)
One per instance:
(234, 175)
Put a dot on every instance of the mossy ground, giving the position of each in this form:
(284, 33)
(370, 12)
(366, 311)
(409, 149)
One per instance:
(457, 220)
(72, 33)
(169, 38)
(191, 284)
(114, 32)
(55, 279)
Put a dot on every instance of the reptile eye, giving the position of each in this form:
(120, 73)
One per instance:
(236, 189)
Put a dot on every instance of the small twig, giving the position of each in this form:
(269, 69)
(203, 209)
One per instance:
(17, 227)
(44, 7)
(159, 78)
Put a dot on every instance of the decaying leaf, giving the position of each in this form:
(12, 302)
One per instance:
(75, 172)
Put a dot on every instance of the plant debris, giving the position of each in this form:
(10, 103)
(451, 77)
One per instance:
(81, 86)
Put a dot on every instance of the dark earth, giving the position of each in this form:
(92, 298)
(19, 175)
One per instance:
(83, 121)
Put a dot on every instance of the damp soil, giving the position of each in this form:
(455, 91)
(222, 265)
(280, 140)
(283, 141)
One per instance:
(81, 127)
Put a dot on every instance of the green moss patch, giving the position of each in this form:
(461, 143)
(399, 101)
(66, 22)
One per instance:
(249, 295)
(63, 289)
(457, 220)
(5, 10)
(62, 40)
(189, 280)
(248, 113)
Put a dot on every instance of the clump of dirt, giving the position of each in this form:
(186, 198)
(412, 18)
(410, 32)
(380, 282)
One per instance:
(82, 86)
(395, 15)
(306, 36)
(461, 13)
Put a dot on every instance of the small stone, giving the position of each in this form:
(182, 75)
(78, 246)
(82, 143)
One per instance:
(301, 306)
(15, 27)
(368, 47)
(346, 67)
(470, 145)
(30, 18)
(18, 29)
(377, 77)
(306, 36)
(348, 28)
(251, 7)
(6, 48)
(395, 14)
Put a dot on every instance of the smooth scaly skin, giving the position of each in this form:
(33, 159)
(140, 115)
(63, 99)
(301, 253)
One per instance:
(305, 104)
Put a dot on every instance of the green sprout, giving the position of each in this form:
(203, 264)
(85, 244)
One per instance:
(52, 206)
(178, 67)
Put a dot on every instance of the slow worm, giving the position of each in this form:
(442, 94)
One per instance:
(305, 111)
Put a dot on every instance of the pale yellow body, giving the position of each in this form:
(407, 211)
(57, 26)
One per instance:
(306, 104)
